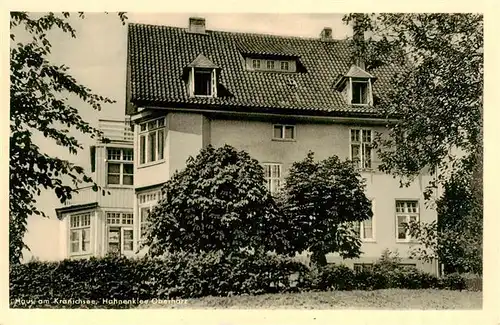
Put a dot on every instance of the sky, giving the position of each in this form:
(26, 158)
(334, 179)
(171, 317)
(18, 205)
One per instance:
(97, 59)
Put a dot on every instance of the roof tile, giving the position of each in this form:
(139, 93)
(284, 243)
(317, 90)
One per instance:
(157, 56)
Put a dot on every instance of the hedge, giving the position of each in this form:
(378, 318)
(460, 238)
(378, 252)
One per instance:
(118, 282)
(340, 277)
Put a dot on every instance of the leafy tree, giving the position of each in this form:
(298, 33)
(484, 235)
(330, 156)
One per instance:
(321, 200)
(438, 103)
(218, 202)
(39, 92)
(456, 237)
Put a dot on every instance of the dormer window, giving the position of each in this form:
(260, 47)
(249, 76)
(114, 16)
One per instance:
(202, 81)
(356, 86)
(270, 64)
(360, 92)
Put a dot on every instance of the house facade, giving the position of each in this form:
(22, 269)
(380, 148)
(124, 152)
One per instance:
(275, 97)
(96, 223)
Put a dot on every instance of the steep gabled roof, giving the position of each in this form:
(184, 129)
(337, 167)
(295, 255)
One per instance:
(357, 72)
(201, 61)
(157, 56)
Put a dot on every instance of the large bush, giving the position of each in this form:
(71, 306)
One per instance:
(218, 202)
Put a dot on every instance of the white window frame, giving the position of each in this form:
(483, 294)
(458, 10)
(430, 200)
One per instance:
(273, 184)
(369, 94)
(80, 226)
(361, 226)
(283, 133)
(284, 64)
(362, 163)
(407, 214)
(270, 63)
(120, 220)
(146, 200)
(256, 64)
(121, 161)
(145, 129)
(213, 82)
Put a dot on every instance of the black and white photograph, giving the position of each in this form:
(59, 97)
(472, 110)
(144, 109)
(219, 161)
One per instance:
(297, 161)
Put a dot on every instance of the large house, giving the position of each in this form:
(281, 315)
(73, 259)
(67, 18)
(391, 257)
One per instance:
(276, 98)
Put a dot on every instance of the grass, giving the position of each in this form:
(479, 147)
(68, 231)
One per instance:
(377, 299)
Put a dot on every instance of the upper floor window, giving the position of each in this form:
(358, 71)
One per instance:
(273, 177)
(120, 166)
(79, 233)
(356, 86)
(360, 92)
(151, 141)
(406, 211)
(361, 148)
(283, 132)
(202, 77)
(271, 65)
(120, 232)
(202, 82)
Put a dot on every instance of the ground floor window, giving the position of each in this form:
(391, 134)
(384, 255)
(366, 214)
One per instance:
(359, 267)
(272, 176)
(146, 203)
(406, 212)
(120, 232)
(79, 233)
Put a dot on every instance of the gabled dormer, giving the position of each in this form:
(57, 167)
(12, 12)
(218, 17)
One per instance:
(202, 77)
(356, 85)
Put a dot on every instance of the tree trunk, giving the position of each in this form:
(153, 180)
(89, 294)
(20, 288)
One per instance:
(318, 259)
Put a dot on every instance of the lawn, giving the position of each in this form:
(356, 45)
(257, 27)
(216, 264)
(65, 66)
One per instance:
(377, 299)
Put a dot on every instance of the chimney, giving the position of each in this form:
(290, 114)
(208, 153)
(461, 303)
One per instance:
(326, 34)
(197, 25)
(358, 36)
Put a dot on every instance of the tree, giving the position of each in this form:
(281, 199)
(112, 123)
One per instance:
(321, 200)
(39, 92)
(437, 100)
(217, 202)
(455, 239)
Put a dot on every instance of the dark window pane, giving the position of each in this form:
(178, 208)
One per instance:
(128, 180)
(113, 179)
(128, 168)
(202, 83)
(152, 146)
(160, 144)
(359, 93)
(143, 149)
(289, 132)
(114, 168)
(278, 132)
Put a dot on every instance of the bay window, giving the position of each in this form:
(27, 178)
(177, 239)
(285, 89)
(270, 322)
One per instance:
(120, 166)
(152, 141)
(120, 232)
(79, 234)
